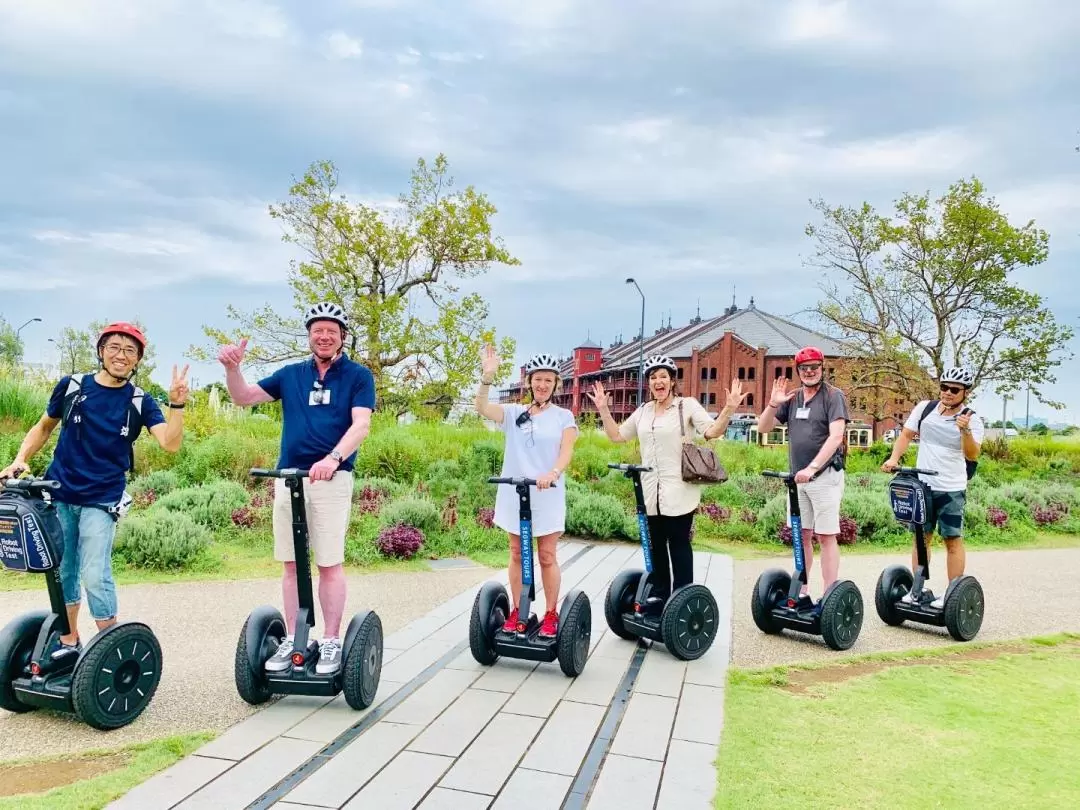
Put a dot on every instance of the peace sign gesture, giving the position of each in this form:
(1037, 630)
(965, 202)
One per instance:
(178, 390)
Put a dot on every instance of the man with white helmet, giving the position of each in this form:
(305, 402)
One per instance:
(326, 402)
(950, 437)
(540, 440)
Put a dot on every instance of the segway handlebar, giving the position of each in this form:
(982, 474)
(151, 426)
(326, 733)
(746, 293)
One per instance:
(30, 484)
(284, 472)
(630, 467)
(514, 481)
(915, 471)
(783, 476)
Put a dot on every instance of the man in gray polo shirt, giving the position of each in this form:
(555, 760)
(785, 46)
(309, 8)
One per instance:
(816, 415)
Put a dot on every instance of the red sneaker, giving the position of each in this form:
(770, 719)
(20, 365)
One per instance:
(511, 621)
(550, 627)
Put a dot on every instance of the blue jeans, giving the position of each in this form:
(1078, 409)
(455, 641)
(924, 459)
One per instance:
(88, 542)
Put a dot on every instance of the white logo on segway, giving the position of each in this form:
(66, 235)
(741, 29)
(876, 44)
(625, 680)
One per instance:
(31, 528)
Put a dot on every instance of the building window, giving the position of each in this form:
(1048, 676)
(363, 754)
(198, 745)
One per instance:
(750, 373)
(704, 373)
(749, 400)
(787, 373)
(779, 372)
(678, 373)
(590, 357)
(712, 373)
(742, 373)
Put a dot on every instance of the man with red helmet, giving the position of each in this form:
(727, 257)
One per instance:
(816, 415)
(101, 414)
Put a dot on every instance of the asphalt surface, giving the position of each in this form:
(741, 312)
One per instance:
(1027, 593)
(197, 625)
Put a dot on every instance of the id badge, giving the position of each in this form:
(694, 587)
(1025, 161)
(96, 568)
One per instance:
(319, 397)
(802, 413)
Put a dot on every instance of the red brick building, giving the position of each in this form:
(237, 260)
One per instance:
(747, 344)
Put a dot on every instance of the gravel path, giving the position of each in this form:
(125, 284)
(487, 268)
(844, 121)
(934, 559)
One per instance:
(206, 617)
(1028, 593)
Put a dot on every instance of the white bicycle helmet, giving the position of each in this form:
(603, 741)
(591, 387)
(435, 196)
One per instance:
(655, 361)
(958, 374)
(326, 311)
(541, 362)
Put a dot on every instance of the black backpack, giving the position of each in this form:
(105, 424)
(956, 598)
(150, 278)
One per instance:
(930, 406)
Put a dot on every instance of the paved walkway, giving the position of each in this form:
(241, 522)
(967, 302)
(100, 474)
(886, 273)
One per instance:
(637, 729)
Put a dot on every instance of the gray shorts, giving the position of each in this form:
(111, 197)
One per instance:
(945, 514)
(819, 502)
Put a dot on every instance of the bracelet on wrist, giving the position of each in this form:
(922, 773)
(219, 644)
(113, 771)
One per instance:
(179, 406)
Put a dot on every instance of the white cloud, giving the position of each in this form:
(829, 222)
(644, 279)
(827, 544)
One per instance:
(828, 22)
(340, 45)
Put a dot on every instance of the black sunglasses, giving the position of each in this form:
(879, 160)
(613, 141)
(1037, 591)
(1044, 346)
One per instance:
(522, 419)
(952, 389)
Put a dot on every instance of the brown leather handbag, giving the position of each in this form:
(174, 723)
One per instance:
(699, 464)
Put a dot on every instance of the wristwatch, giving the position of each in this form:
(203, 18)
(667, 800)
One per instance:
(336, 456)
(813, 466)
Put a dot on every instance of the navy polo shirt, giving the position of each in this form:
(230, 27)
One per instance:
(93, 452)
(311, 429)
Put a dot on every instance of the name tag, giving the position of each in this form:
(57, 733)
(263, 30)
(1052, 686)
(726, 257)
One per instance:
(319, 397)
(802, 413)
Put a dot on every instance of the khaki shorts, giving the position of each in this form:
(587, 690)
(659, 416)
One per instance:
(328, 505)
(819, 502)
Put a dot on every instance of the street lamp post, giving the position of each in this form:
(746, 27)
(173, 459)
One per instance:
(641, 345)
(26, 325)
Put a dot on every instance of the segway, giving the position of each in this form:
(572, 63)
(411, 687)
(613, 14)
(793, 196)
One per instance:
(962, 613)
(111, 681)
(776, 602)
(685, 622)
(361, 649)
(487, 637)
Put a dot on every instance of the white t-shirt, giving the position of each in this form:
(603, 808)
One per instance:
(531, 451)
(940, 448)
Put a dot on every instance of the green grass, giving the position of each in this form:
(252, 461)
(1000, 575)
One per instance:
(143, 761)
(951, 731)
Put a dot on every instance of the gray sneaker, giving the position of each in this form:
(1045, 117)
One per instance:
(279, 661)
(329, 656)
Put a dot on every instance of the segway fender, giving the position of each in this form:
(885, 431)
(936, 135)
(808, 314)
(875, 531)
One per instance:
(351, 631)
(101, 635)
(259, 622)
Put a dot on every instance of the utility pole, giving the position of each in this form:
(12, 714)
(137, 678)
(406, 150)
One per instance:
(1004, 406)
(641, 346)
(1027, 418)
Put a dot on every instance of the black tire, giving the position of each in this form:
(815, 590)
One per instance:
(575, 633)
(690, 622)
(842, 615)
(894, 582)
(771, 587)
(964, 608)
(490, 610)
(116, 677)
(619, 600)
(266, 627)
(363, 664)
(17, 641)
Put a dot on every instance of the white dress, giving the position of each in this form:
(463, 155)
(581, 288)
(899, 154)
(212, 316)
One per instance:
(531, 451)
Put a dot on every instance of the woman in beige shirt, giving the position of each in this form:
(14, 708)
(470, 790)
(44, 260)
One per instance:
(670, 502)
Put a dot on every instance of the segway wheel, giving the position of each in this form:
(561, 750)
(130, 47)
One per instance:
(619, 600)
(259, 638)
(489, 612)
(964, 609)
(894, 582)
(689, 622)
(363, 663)
(771, 587)
(17, 641)
(842, 615)
(575, 632)
(117, 676)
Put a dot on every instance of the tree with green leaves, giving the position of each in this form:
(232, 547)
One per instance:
(392, 272)
(11, 345)
(933, 285)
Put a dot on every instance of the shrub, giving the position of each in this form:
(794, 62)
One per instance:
(601, 516)
(210, 505)
(245, 517)
(849, 531)
(400, 541)
(715, 512)
(484, 459)
(392, 453)
(153, 485)
(161, 540)
(485, 516)
(997, 517)
(1046, 515)
(412, 510)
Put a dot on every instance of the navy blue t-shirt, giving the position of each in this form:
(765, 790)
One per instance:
(311, 430)
(92, 456)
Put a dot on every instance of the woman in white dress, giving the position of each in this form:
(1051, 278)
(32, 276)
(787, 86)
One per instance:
(540, 440)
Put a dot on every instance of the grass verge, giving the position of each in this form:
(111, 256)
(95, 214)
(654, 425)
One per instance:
(91, 780)
(967, 726)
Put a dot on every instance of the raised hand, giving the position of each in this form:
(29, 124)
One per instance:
(489, 362)
(232, 355)
(735, 395)
(780, 394)
(598, 396)
(178, 389)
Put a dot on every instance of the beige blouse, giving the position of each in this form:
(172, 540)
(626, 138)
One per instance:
(661, 449)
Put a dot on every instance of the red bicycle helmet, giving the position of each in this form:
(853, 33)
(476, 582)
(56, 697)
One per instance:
(808, 354)
(123, 328)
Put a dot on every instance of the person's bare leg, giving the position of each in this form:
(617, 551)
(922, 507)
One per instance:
(550, 574)
(830, 560)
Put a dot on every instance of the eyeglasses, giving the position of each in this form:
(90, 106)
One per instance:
(952, 389)
(116, 348)
(809, 366)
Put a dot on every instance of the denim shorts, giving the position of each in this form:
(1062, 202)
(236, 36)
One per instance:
(945, 514)
(88, 543)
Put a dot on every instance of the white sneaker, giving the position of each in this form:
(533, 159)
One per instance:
(280, 661)
(329, 656)
(938, 603)
(908, 597)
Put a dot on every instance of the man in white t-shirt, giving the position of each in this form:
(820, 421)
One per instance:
(950, 435)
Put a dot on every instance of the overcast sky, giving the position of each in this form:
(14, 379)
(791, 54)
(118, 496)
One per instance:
(678, 143)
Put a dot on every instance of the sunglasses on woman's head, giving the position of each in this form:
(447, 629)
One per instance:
(952, 389)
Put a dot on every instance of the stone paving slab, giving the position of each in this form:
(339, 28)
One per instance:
(638, 728)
